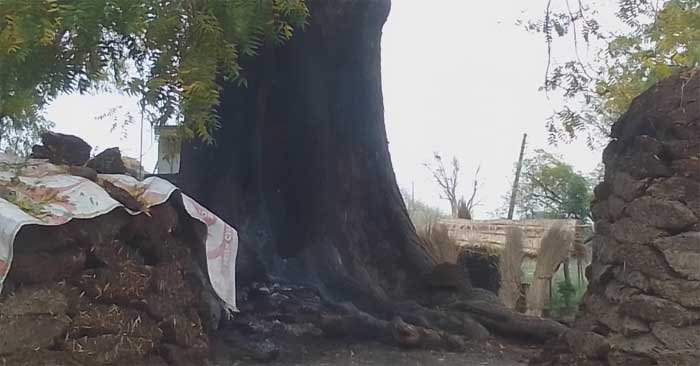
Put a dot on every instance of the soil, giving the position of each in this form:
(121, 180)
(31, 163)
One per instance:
(326, 353)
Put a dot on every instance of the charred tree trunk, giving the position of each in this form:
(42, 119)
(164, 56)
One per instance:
(301, 165)
(301, 168)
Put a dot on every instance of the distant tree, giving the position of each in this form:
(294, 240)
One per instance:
(550, 188)
(447, 179)
(651, 40)
(465, 208)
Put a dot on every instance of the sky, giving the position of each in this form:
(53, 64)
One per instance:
(459, 78)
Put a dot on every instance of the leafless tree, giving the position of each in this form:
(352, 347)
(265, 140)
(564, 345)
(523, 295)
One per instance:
(465, 208)
(448, 179)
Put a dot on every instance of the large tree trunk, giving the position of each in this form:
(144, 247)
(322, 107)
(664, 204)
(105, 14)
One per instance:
(301, 164)
(301, 168)
(642, 306)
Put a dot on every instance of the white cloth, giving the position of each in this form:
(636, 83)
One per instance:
(41, 193)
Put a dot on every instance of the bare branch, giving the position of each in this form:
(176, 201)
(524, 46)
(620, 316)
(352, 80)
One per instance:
(447, 181)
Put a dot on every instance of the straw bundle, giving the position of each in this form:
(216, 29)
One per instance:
(440, 245)
(554, 249)
(510, 267)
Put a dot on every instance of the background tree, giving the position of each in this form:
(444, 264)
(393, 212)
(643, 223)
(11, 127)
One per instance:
(173, 54)
(465, 208)
(447, 178)
(551, 188)
(649, 41)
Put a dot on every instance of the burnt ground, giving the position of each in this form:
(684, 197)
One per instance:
(278, 325)
(320, 351)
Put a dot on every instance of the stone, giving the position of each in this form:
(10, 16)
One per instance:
(632, 326)
(675, 189)
(600, 210)
(587, 344)
(643, 345)
(668, 215)
(31, 332)
(645, 260)
(628, 230)
(64, 149)
(601, 312)
(602, 190)
(620, 358)
(627, 187)
(598, 272)
(108, 161)
(682, 149)
(677, 338)
(605, 249)
(687, 357)
(616, 207)
(682, 252)
(684, 292)
(689, 168)
(633, 279)
(656, 309)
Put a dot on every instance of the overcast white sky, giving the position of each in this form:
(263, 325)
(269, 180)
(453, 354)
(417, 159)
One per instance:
(459, 77)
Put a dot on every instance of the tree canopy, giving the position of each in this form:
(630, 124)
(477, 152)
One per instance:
(550, 188)
(172, 54)
(648, 42)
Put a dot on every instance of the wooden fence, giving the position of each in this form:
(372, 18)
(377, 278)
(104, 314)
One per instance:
(491, 234)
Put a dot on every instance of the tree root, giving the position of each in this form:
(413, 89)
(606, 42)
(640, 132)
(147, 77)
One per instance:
(360, 325)
(508, 323)
(464, 317)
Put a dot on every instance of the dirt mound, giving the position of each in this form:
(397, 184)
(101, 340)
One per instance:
(114, 290)
(642, 306)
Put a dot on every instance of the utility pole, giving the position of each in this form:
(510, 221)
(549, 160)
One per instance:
(514, 191)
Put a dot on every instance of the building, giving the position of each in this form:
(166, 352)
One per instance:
(169, 147)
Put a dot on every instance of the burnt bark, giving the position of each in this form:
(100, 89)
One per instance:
(301, 168)
(301, 165)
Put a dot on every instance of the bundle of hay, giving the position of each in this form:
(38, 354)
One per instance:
(439, 244)
(554, 249)
(510, 267)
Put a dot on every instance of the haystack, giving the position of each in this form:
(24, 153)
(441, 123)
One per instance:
(510, 268)
(554, 249)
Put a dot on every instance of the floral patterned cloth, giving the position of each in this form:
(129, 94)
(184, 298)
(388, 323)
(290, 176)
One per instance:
(37, 192)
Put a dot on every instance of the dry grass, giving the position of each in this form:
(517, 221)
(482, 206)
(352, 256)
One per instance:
(440, 246)
(509, 267)
(554, 249)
